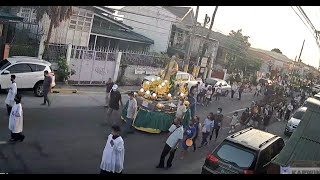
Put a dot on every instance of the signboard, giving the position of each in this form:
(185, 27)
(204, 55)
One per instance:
(139, 71)
(204, 62)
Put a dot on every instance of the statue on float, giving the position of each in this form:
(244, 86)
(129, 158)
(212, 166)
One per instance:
(170, 73)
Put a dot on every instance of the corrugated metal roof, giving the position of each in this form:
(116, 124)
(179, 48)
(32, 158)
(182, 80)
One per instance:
(129, 35)
(304, 143)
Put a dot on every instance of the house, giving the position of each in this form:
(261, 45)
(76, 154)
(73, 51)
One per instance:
(168, 26)
(6, 19)
(89, 26)
(303, 147)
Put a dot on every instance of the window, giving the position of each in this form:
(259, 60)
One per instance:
(81, 20)
(36, 67)
(19, 68)
(236, 155)
(182, 77)
(270, 152)
(28, 14)
(298, 115)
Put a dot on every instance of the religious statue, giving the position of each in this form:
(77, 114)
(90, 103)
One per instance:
(171, 72)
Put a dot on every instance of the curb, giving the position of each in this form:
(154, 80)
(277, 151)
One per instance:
(65, 91)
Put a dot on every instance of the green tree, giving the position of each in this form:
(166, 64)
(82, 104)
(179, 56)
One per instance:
(239, 60)
(56, 14)
(276, 50)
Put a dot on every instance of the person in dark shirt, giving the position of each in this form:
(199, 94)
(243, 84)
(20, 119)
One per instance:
(218, 119)
(192, 106)
(109, 85)
(115, 99)
(46, 88)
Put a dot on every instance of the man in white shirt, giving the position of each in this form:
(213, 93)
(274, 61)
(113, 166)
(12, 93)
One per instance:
(258, 90)
(174, 137)
(113, 153)
(181, 109)
(12, 92)
(218, 92)
(16, 120)
(131, 112)
(233, 89)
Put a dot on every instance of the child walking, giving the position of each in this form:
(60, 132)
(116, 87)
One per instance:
(16, 120)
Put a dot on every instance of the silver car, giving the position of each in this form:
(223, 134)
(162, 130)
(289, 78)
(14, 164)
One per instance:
(294, 121)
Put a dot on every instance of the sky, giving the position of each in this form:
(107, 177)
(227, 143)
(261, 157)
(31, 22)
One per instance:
(269, 27)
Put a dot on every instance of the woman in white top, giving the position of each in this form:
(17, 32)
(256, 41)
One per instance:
(208, 95)
(16, 120)
(11, 94)
(113, 153)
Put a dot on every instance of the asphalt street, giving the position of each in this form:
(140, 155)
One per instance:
(68, 137)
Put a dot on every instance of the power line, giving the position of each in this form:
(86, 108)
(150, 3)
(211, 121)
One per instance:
(305, 24)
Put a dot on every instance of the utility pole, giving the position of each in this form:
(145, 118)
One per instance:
(186, 67)
(205, 46)
(299, 60)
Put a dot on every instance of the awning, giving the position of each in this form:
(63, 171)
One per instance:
(121, 34)
(6, 17)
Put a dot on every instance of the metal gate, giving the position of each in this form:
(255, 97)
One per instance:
(92, 67)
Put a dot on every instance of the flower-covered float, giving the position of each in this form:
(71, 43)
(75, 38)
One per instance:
(157, 103)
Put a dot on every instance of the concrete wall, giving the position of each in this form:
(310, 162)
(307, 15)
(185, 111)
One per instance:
(153, 28)
(132, 75)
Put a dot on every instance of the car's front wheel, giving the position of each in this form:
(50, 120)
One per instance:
(38, 89)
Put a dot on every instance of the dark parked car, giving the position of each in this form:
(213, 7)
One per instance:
(249, 151)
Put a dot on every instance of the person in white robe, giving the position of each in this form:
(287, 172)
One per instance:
(16, 120)
(12, 92)
(113, 153)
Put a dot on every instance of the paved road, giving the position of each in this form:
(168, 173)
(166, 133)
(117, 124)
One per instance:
(68, 137)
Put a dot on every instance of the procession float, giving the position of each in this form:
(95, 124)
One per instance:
(158, 101)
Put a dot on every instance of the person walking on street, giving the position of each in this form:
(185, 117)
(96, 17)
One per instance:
(115, 99)
(113, 153)
(47, 86)
(193, 104)
(197, 125)
(131, 112)
(174, 137)
(288, 112)
(258, 90)
(16, 120)
(234, 121)
(218, 118)
(181, 109)
(208, 124)
(218, 91)
(109, 85)
(208, 96)
(189, 134)
(11, 94)
(233, 89)
(241, 88)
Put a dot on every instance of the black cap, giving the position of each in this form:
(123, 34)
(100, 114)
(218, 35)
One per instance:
(131, 93)
(116, 128)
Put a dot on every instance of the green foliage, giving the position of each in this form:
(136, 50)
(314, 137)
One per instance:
(276, 50)
(64, 71)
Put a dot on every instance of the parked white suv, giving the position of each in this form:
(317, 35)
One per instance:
(29, 73)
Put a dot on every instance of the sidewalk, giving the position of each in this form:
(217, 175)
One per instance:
(61, 88)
